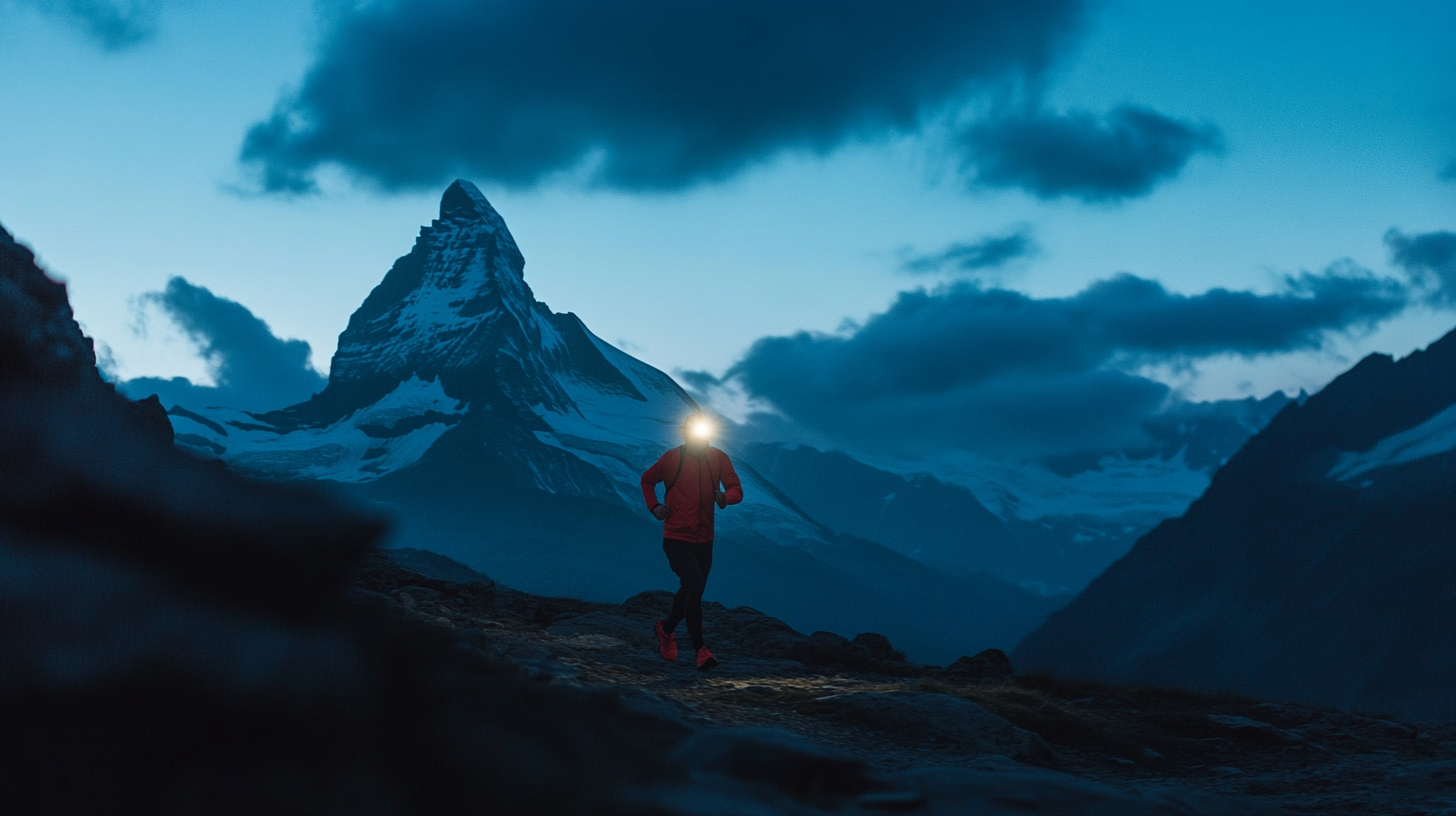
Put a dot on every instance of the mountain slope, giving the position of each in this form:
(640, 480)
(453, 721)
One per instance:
(1317, 567)
(511, 438)
(919, 516)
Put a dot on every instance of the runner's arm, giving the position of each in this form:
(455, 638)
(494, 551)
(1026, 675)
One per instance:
(649, 483)
(732, 485)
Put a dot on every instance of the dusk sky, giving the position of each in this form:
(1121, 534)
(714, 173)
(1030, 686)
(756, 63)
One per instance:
(970, 204)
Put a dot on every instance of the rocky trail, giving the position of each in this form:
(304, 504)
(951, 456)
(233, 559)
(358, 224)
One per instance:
(1080, 744)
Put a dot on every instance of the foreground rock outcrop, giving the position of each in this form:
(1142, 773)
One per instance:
(818, 719)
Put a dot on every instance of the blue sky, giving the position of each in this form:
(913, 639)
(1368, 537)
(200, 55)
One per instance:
(1285, 138)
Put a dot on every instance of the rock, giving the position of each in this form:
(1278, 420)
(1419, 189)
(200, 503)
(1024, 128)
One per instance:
(657, 602)
(830, 639)
(997, 787)
(149, 415)
(434, 565)
(877, 647)
(961, 723)
(617, 627)
(383, 574)
(1285, 715)
(988, 665)
(800, 769)
(1243, 728)
(40, 341)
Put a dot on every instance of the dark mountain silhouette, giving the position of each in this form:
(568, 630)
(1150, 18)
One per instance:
(1317, 567)
(511, 438)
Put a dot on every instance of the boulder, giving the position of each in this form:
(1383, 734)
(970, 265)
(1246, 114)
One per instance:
(959, 723)
(997, 787)
(991, 665)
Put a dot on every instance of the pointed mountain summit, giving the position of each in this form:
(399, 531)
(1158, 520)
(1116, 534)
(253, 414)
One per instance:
(457, 309)
(511, 438)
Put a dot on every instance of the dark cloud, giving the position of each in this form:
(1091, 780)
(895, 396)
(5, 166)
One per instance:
(660, 94)
(1430, 259)
(1080, 155)
(987, 253)
(1448, 173)
(1004, 373)
(254, 370)
(115, 25)
(699, 381)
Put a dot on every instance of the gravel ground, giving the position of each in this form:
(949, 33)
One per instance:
(1298, 758)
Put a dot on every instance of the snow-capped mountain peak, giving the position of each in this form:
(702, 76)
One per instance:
(452, 350)
(458, 303)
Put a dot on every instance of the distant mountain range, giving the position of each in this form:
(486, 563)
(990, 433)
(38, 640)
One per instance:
(1320, 565)
(511, 438)
(1051, 526)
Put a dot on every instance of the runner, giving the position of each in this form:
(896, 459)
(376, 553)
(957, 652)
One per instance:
(693, 473)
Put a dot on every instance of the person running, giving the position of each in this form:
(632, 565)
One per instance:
(693, 473)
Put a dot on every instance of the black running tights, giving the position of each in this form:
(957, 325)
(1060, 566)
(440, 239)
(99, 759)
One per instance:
(691, 561)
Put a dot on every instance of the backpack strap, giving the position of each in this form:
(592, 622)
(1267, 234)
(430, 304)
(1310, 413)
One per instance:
(682, 450)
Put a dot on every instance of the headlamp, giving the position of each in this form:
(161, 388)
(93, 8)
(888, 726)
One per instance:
(698, 427)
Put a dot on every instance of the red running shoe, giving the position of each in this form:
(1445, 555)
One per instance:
(705, 659)
(666, 644)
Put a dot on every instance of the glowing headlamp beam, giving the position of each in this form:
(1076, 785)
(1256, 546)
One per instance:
(701, 429)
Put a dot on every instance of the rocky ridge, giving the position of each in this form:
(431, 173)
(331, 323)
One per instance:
(1072, 747)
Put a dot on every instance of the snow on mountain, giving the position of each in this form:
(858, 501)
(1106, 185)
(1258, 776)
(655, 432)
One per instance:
(385, 436)
(1118, 490)
(1434, 436)
(1070, 516)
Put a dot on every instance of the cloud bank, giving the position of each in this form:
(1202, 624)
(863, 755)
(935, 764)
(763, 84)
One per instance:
(1080, 155)
(1005, 374)
(1430, 259)
(254, 370)
(660, 94)
(986, 253)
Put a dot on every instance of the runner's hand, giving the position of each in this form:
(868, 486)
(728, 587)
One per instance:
(659, 512)
(721, 498)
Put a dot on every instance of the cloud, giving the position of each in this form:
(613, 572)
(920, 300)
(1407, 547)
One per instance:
(1080, 155)
(254, 370)
(1002, 373)
(1430, 259)
(699, 380)
(650, 94)
(115, 25)
(1448, 173)
(989, 252)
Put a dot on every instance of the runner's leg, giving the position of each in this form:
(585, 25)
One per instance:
(683, 561)
(702, 556)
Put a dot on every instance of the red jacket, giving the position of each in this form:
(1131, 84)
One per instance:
(689, 497)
